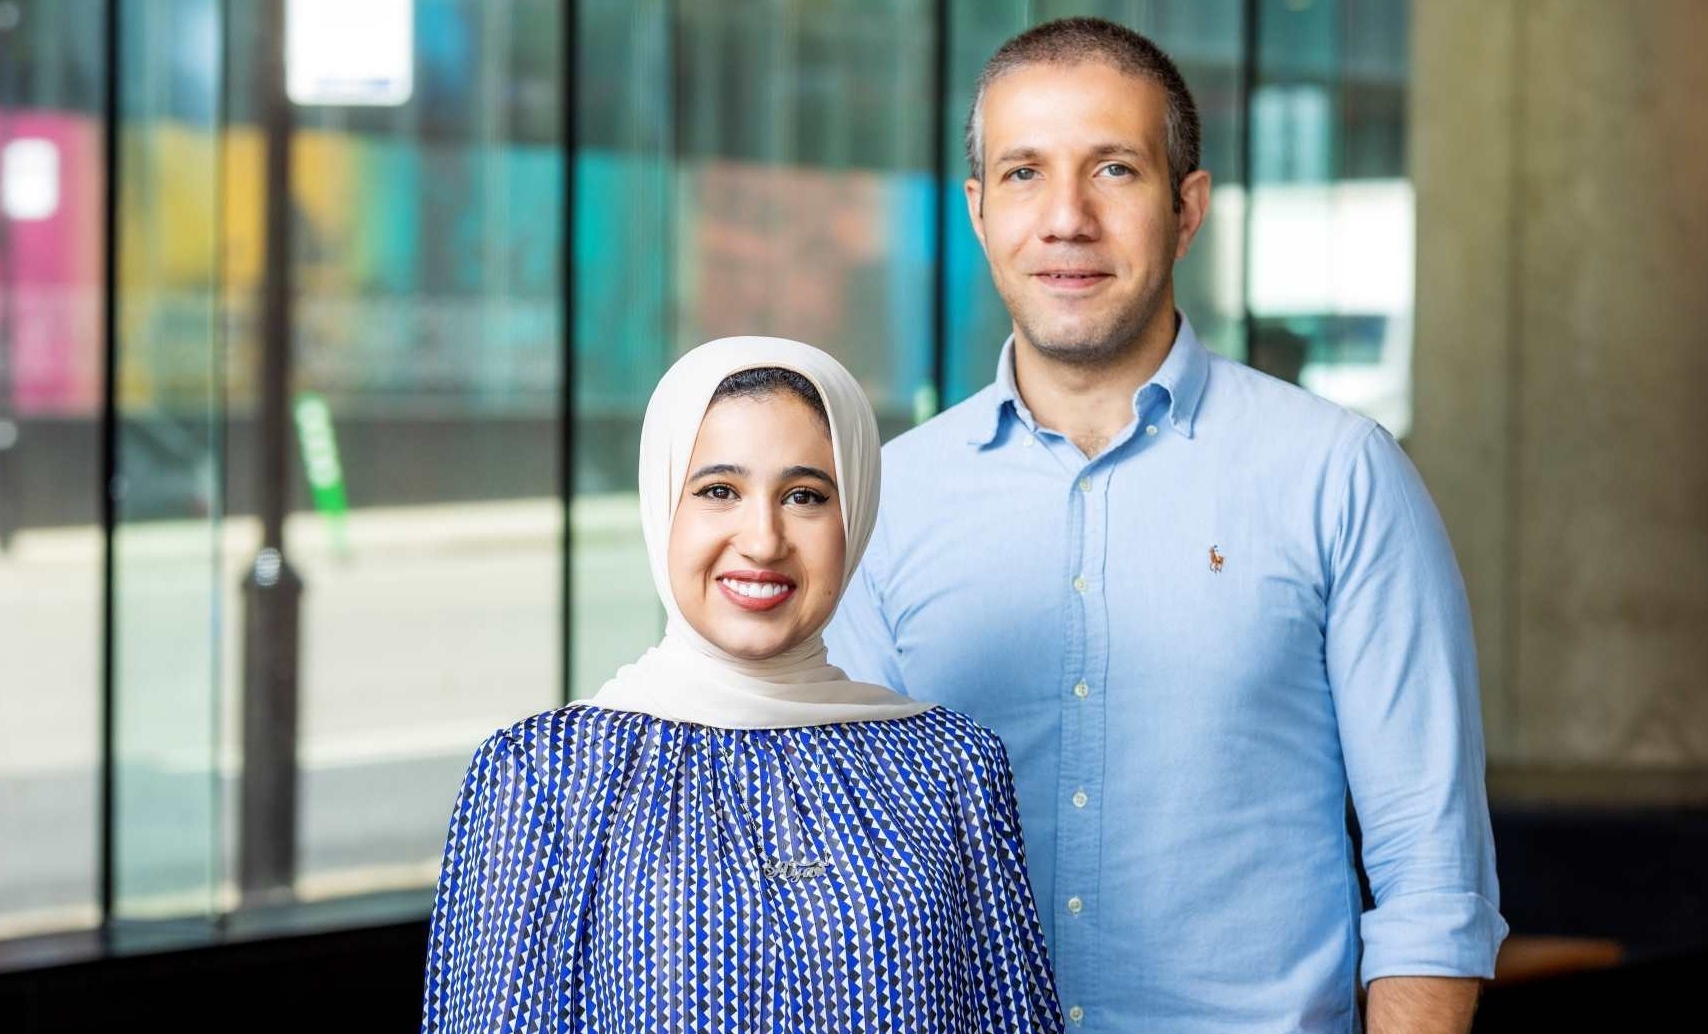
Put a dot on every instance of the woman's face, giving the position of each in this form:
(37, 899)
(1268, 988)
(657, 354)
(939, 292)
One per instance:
(756, 547)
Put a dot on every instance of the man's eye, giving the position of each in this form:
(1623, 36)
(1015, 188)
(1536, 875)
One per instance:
(1117, 169)
(1023, 175)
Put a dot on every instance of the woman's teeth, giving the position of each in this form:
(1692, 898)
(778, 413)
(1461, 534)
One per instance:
(756, 590)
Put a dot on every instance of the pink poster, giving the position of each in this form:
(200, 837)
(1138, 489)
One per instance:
(50, 261)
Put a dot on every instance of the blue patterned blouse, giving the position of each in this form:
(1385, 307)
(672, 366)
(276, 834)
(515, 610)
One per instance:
(614, 872)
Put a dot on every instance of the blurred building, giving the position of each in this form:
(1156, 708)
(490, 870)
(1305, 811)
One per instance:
(1481, 224)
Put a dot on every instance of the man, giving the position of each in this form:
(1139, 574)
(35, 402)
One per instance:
(1201, 607)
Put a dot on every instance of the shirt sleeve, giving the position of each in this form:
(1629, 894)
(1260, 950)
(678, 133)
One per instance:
(1012, 986)
(860, 638)
(1402, 668)
(486, 969)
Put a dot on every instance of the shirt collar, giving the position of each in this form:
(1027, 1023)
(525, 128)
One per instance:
(1181, 377)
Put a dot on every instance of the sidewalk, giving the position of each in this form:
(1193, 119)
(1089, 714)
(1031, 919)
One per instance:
(439, 624)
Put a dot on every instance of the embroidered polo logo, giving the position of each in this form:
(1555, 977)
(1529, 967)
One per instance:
(792, 872)
(1216, 560)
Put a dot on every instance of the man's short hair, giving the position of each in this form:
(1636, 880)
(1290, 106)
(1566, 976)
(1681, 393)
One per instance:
(1070, 41)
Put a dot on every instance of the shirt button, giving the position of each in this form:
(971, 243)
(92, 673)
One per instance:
(1151, 430)
(1079, 584)
(1076, 906)
(1080, 799)
(1031, 441)
(1085, 484)
(1081, 690)
(1076, 1014)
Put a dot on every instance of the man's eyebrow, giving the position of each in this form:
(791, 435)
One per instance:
(1017, 154)
(1106, 150)
(1118, 150)
(716, 469)
(808, 472)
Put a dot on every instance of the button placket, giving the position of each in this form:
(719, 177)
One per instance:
(1077, 849)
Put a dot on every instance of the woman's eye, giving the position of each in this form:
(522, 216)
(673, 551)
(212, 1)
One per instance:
(805, 497)
(722, 493)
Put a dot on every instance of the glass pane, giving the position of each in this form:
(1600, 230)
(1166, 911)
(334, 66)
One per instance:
(804, 184)
(625, 318)
(746, 168)
(167, 580)
(52, 179)
(977, 322)
(1204, 37)
(426, 521)
(1332, 209)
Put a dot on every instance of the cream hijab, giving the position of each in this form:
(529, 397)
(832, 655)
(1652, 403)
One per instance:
(685, 678)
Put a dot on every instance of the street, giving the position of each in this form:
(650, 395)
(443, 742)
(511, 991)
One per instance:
(437, 625)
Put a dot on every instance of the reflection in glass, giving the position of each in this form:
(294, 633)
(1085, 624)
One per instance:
(1331, 235)
(744, 169)
(51, 550)
(426, 523)
(739, 167)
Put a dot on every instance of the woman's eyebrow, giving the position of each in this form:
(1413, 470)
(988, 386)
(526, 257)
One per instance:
(717, 470)
(808, 472)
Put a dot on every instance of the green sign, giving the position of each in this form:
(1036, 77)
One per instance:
(320, 463)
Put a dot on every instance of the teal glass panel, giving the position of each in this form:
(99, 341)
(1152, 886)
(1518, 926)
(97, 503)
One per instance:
(168, 589)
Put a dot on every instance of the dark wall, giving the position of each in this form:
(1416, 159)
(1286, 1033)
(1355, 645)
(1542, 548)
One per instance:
(356, 980)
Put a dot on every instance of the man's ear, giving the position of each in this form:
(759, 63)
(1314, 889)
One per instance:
(975, 207)
(1194, 209)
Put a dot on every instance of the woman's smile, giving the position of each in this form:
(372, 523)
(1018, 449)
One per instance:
(756, 590)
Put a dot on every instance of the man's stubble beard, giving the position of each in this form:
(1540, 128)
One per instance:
(1099, 346)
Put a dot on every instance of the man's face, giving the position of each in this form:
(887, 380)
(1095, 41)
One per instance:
(1075, 212)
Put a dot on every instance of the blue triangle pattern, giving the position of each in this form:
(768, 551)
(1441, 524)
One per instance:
(609, 872)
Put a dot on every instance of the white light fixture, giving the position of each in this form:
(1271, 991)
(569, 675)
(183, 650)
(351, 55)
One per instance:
(29, 179)
(339, 52)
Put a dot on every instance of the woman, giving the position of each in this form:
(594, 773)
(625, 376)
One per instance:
(731, 836)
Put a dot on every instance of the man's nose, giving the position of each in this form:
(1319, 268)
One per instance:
(1070, 212)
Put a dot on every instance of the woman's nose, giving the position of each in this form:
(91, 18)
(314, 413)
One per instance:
(761, 537)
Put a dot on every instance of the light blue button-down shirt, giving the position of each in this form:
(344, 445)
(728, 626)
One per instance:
(1195, 645)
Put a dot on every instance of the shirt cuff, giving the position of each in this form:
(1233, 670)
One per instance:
(1432, 934)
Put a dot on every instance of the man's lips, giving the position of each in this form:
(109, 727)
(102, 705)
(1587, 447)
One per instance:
(1071, 279)
(755, 590)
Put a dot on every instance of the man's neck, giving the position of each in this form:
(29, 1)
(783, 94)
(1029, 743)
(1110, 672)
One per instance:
(1091, 404)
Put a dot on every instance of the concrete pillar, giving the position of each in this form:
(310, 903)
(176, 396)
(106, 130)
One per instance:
(1560, 157)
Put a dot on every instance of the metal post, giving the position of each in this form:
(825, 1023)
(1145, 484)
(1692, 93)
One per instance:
(109, 503)
(942, 176)
(568, 92)
(272, 591)
(9, 295)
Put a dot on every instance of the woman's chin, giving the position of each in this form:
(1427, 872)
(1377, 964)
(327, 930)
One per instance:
(749, 647)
